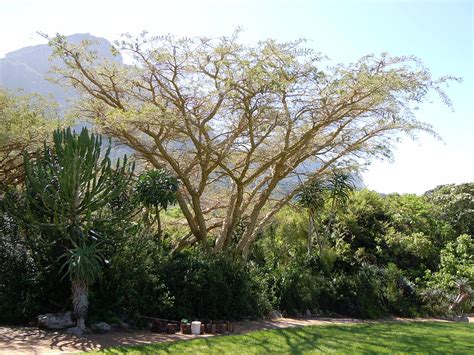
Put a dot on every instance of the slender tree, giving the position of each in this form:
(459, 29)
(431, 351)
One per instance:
(339, 186)
(333, 190)
(237, 123)
(312, 198)
(69, 188)
(156, 189)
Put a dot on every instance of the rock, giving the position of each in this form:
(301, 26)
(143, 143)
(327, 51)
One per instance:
(101, 327)
(75, 331)
(275, 314)
(461, 318)
(55, 321)
(123, 325)
(120, 325)
(307, 313)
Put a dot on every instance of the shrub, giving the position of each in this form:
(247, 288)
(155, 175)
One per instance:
(143, 279)
(131, 284)
(211, 286)
(29, 276)
(456, 268)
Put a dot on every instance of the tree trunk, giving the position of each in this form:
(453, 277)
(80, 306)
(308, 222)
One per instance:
(158, 222)
(80, 302)
(310, 230)
(188, 240)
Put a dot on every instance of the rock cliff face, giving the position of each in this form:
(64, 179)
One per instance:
(27, 68)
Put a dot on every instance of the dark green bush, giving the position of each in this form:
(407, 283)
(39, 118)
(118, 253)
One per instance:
(367, 291)
(213, 286)
(386, 256)
(144, 279)
(130, 285)
(29, 272)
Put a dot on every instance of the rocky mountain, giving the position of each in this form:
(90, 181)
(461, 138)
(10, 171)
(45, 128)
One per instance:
(27, 68)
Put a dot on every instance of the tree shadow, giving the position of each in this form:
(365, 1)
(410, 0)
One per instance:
(33, 340)
(366, 337)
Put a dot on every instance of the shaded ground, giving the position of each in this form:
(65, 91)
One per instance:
(23, 340)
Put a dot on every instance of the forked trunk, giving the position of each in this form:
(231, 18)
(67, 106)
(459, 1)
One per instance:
(80, 302)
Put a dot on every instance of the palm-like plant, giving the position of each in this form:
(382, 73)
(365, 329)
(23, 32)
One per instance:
(335, 188)
(312, 198)
(339, 186)
(156, 189)
(83, 265)
(69, 189)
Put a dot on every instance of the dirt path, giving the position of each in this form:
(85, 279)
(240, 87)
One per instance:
(23, 340)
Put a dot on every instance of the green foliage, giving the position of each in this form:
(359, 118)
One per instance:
(142, 278)
(211, 287)
(18, 298)
(386, 255)
(406, 230)
(26, 120)
(283, 240)
(157, 188)
(401, 295)
(360, 227)
(457, 263)
(380, 250)
(312, 195)
(83, 262)
(368, 291)
(334, 190)
(457, 205)
(66, 211)
(340, 186)
(130, 284)
(70, 186)
(68, 192)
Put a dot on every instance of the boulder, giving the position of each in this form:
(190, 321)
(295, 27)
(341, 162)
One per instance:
(55, 321)
(120, 325)
(275, 314)
(101, 327)
(307, 313)
(461, 318)
(123, 325)
(75, 331)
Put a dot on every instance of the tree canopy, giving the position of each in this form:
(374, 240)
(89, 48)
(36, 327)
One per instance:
(244, 127)
(26, 120)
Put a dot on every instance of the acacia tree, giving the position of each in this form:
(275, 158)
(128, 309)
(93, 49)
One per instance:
(25, 122)
(237, 123)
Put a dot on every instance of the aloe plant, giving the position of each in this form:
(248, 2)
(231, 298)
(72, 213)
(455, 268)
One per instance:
(70, 186)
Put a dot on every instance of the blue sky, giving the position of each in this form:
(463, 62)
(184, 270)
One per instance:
(439, 32)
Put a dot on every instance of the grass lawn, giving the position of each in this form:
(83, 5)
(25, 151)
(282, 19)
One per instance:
(412, 337)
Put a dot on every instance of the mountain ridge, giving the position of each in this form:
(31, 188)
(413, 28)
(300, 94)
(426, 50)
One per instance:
(26, 68)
